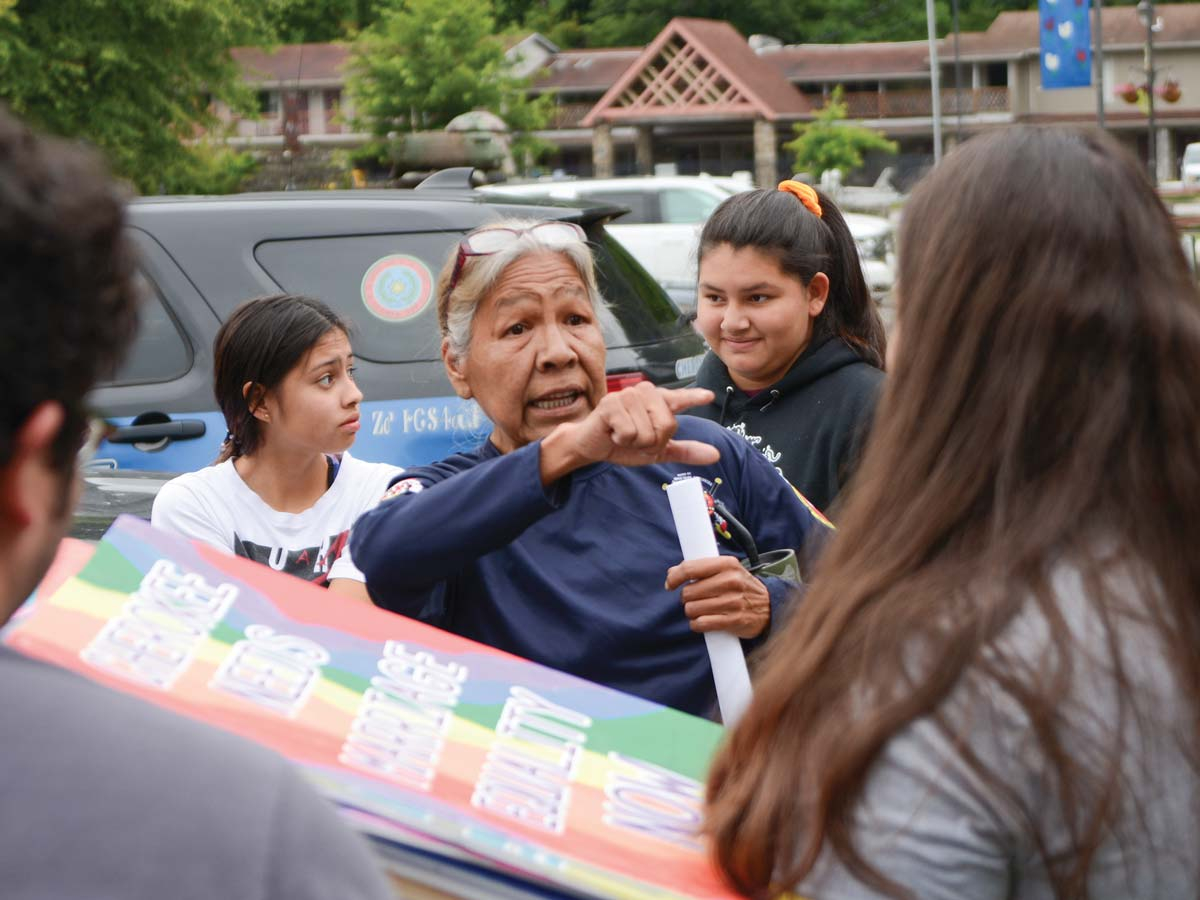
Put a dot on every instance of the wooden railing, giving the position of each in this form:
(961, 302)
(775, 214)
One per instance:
(569, 115)
(271, 127)
(901, 104)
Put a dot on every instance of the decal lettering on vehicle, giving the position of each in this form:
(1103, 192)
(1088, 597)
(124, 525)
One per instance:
(397, 288)
(435, 417)
(381, 422)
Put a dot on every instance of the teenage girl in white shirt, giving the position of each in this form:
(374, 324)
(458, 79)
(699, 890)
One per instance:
(284, 490)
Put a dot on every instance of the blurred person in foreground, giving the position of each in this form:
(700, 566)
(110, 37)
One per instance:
(105, 795)
(554, 540)
(990, 690)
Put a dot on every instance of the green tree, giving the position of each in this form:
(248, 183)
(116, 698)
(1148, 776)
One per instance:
(606, 23)
(320, 21)
(559, 20)
(829, 143)
(135, 78)
(873, 20)
(633, 22)
(427, 61)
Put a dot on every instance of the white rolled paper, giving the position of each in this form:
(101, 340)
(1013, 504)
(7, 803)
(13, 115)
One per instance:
(690, 511)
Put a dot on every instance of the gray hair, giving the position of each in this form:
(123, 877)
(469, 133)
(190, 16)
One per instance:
(456, 311)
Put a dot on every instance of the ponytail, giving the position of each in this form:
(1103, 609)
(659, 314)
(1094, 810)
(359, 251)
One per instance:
(231, 448)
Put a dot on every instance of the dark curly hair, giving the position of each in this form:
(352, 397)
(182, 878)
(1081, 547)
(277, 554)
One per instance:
(68, 307)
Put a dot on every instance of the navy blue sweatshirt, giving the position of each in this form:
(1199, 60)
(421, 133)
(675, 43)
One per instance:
(570, 575)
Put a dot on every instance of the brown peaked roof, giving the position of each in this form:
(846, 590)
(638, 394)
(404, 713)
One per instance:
(292, 62)
(722, 60)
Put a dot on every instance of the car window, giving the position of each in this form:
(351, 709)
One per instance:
(639, 311)
(159, 352)
(640, 203)
(682, 206)
(383, 284)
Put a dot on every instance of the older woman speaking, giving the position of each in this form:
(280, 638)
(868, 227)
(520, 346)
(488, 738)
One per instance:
(554, 540)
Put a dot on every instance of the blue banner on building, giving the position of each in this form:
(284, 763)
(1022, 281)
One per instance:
(1066, 43)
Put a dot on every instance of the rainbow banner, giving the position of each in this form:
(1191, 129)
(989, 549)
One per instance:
(457, 759)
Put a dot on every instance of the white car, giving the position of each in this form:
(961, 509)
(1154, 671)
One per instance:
(666, 214)
(875, 237)
(1190, 170)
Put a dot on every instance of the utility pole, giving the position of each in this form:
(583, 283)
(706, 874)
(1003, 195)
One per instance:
(1098, 58)
(935, 81)
(958, 103)
(1145, 10)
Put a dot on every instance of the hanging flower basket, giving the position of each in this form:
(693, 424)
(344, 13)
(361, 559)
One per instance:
(1128, 92)
(1170, 90)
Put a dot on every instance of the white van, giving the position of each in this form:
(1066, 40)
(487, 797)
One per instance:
(664, 219)
(662, 228)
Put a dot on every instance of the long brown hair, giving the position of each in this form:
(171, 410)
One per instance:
(1043, 407)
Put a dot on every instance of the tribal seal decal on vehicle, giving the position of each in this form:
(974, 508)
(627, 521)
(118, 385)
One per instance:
(397, 288)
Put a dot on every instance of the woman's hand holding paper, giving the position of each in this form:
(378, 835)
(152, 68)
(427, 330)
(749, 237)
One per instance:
(720, 595)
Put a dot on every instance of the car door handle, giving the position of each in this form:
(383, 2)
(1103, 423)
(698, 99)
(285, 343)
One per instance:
(178, 430)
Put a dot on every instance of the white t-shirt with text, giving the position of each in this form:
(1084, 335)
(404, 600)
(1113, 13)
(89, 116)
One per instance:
(216, 506)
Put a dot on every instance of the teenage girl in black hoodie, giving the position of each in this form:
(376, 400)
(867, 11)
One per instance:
(797, 344)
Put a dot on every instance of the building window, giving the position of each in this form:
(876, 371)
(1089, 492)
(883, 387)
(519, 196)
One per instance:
(268, 103)
(333, 106)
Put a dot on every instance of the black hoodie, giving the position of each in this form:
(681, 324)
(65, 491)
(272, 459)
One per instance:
(810, 424)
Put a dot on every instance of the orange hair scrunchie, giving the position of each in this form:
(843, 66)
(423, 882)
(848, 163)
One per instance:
(804, 193)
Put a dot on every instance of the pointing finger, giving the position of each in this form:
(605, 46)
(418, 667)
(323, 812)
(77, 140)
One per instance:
(686, 398)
